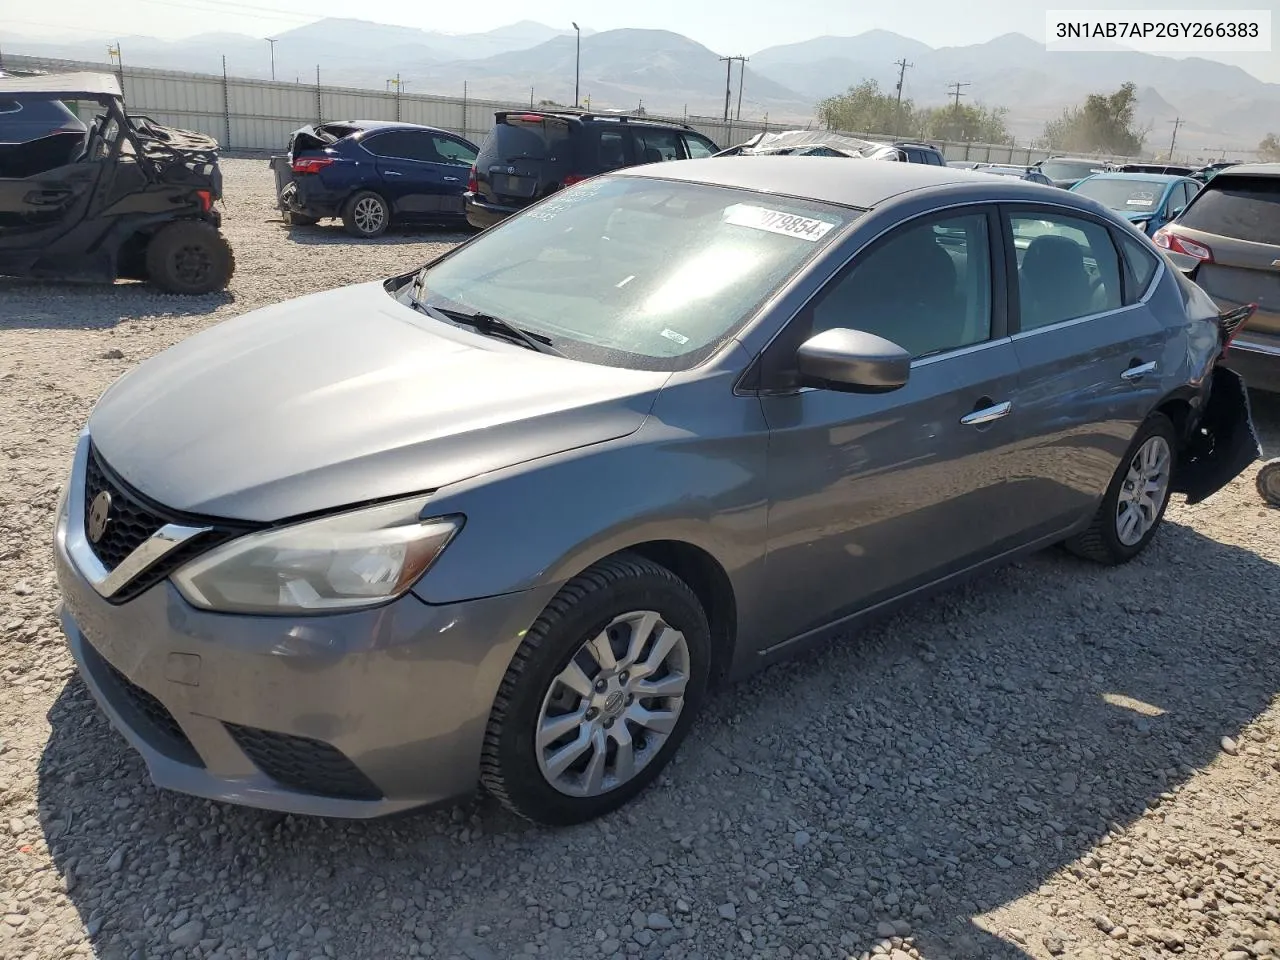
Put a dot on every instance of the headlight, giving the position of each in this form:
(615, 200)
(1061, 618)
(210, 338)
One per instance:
(343, 562)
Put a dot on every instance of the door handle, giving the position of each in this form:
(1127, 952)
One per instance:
(393, 173)
(987, 414)
(1138, 371)
(450, 179)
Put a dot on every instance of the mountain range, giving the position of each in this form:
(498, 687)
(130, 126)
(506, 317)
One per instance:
(1222, 108)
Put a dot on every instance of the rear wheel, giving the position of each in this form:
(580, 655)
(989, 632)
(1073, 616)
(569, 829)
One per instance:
(1134, 504)
(599, 694)
(366, 215)
(189, 257)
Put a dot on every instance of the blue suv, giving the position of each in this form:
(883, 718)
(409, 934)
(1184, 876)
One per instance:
(376, 173)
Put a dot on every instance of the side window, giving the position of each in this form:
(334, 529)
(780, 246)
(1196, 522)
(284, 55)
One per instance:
(400, 145)
(654, 146)
(613, 150)
(936, 159)
(1067, 268)
(1140, 267)
(1190, 189)
(449, 150)
(926, 287)
(697, 147)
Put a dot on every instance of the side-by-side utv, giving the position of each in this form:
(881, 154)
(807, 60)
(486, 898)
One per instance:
(135, 200)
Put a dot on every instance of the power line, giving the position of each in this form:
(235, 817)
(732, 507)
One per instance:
(955, 91)
(902, 66)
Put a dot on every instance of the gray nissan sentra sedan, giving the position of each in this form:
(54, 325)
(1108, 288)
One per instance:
(502, 520)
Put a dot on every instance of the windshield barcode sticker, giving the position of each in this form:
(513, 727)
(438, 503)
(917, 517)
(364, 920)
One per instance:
(775, 221)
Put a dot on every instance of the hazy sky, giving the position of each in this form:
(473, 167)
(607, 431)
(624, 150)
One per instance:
(727, 26)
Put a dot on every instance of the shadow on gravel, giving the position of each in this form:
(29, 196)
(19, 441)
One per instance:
(946, 763)
(52, 305)
(330, 233)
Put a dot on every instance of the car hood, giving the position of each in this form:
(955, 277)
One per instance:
(345, 397)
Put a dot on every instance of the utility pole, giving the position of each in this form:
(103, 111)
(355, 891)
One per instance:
(742, 78)
(728, 82)
(1177, 122)
(902, 66)
(955, 92)
(577, 66)
(273, 56)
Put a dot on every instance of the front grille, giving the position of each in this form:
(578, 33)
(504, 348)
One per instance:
(147, 715)
(309, 766)
(133, 519)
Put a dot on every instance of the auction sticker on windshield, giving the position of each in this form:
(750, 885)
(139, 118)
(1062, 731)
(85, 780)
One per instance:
(775, 221)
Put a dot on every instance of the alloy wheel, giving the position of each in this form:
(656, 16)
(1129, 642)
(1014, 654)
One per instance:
(607, 714)
(369, 215)
(1143, 492)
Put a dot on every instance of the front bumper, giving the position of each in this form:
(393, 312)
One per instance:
(355, 715)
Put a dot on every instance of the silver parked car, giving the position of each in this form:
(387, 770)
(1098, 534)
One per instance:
(502, 520)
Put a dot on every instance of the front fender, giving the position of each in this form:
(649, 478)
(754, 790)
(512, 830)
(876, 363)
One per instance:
(695, 472)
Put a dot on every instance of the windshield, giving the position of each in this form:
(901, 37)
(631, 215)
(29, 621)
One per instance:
(1069, 169)
(635, 272)
(1127, 196)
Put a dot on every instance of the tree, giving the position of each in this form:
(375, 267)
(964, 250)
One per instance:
(1102, 124)
(1269, 148)
(971, 123)
(865, 109)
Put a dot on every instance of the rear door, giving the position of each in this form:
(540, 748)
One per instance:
(1238, 218)
(525, 157)
(453, 159)
(1089, 350)
(409, 171)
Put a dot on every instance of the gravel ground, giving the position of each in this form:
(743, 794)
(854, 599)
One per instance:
(1058, 760)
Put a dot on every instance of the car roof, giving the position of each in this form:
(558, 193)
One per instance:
(367, 126)
(1144, 177)
(1250, 170)
(62, 86)
(862, 184)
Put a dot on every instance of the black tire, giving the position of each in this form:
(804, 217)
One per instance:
(583, 608)
(1268, 482)
(189, 257)
(1101, 541)
(352, 218)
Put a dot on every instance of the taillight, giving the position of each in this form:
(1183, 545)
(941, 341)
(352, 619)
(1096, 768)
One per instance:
(1232, 321)
(1176, 243)
(312, 164)
(473, 185)
(572, 178)
(206, 200)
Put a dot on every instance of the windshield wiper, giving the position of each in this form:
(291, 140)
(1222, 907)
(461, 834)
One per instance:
(494, 326)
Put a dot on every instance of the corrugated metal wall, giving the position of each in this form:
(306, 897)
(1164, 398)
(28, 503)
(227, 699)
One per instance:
(260, 114)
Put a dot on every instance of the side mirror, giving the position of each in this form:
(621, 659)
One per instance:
(1177, 212)
(852, 361)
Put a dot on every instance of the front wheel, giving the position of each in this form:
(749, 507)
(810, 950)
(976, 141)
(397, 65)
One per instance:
(189, 257)
(1134, 504)
(599, 694)
(366, 215)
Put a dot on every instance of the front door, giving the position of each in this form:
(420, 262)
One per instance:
(1090, 351)
(874, 495)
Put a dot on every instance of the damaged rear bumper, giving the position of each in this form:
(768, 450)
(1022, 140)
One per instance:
(1225, 443)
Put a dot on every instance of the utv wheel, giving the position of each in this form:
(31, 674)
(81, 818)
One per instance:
(1134, 504)
(189, 257)
(1268, 482)
(366, 215)
(599, 694)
